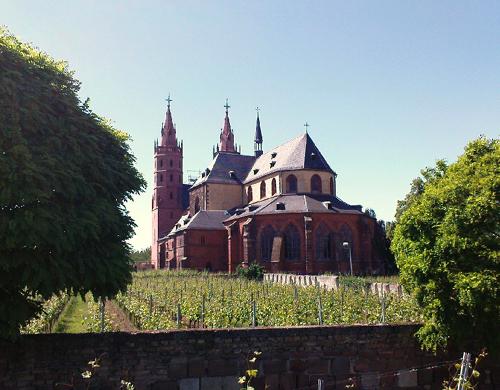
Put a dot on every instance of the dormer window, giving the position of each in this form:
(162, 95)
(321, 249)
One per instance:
(255, 171)
(273, 154)
(313, 156)
(280, 206)
(232, 175)
(272, 164)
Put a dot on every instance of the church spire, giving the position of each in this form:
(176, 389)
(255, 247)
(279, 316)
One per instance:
(168, 136)
(258, 136)
(227, 137)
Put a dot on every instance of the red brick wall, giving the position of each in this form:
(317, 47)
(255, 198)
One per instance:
(374, 356)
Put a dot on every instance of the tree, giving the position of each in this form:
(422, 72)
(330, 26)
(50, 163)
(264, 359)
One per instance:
(447, 248)
(65, 176)
(139, 256)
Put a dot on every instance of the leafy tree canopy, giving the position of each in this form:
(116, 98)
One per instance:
(139, 256)
(447, 246)
(65, 175)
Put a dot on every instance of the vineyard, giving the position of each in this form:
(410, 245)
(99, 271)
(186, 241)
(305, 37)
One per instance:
(167, 300)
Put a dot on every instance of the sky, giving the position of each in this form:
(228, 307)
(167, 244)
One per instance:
(388, 87)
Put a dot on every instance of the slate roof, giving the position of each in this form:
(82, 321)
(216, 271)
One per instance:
(298, 153)
(297, 203)
(222, 164)
(185, 195)
(202, 220)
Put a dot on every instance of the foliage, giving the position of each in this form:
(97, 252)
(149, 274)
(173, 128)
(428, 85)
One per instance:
(46, 319)
(139, 256)
(253, 272)
(66, 174)
(216, 301)
(447, 248)
(251, 372)
(92, 318)
(468, 383)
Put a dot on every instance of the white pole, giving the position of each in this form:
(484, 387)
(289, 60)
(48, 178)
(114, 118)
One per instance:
(464, 368)
(350, 258)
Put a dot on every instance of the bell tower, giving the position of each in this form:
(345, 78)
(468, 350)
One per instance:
(167, 193)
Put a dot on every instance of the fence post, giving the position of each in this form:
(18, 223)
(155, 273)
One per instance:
(254, 312)
(320, 310)
(202, 317)
(178, 317)
(382, 319)
(321, 384)
(464, 368)
(102, 314)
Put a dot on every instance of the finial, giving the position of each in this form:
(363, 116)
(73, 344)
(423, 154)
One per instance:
(257, 109)
(306, 125)
(227, 106)
(168, 101)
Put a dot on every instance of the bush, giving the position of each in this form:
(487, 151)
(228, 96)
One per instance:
(252, 272)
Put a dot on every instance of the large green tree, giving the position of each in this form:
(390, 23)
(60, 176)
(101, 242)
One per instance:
(65, 174)
(447, 246)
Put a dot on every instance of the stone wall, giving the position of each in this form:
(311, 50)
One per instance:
(292, 358)
(330, 282)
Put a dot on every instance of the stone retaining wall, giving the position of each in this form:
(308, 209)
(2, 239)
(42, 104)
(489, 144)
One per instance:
(292, 358)
(330, 282)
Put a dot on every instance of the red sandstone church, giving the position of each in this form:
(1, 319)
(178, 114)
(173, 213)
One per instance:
(278, 209)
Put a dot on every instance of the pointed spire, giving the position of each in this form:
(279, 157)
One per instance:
(227, 136)
(168, 129)
(258, 136)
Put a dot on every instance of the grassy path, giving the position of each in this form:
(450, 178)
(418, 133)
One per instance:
(72, 317)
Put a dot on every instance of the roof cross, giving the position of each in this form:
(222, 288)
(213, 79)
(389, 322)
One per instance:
(168, 100)
(306, 125)
(257, 109)
(227, 106)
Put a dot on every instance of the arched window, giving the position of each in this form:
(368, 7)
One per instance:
(291, 240)
(345, 235)
(291, 183)
(161, 163)
(316, 185)
(250, 194)
(323, 241)
(171, 177)
(171, 195)
(196, 205)
(161, 178)
(331, 185)
(262, 189)
(266, 243)
(273, 186)
(171, 162)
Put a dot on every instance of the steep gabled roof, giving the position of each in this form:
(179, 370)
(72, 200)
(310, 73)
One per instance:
(202, 220)
(296, 203)
(298, 153)
(223, 163)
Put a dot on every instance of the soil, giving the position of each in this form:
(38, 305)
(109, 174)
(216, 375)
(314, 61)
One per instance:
(119, 318)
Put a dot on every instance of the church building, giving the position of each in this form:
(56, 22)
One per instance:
(279, 209)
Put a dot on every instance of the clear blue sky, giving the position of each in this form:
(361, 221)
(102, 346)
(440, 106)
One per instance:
(388, 87)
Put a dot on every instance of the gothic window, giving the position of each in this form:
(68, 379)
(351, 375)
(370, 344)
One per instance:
(161, 163)
(323, 240)
(171, 195)
(291, 183)
(161, 178)
(171, 163)
(291, 240)
(171, 177)
(180, 179)
(250, 194)
(266, 243)
(273, 186)
(345, 235)
(331, 185)
(196, 205)
(262, 189)
(202, 240)
(316, 184)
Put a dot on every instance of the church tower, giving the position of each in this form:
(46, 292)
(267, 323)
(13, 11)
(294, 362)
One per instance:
(167, 193)
(226, 141)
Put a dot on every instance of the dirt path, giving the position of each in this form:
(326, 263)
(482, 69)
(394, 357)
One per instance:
(119, 318)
